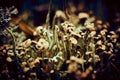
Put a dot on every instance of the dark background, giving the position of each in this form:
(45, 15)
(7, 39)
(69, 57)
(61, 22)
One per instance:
(107, 10)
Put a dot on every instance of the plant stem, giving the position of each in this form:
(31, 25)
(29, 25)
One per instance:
(14, 44)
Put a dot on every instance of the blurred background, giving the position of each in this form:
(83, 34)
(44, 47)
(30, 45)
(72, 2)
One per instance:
(106, 10)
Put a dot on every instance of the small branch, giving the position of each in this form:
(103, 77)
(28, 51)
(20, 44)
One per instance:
(115, 67)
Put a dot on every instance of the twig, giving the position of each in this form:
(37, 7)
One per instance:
(115, 67)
